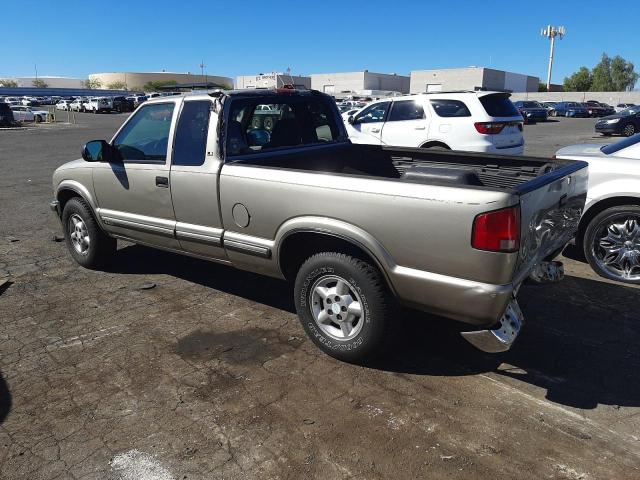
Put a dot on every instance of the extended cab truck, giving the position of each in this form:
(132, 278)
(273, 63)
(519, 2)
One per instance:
(354, 227)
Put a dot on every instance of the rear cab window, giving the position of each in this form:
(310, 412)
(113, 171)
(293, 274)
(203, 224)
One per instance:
(255, 125)
(499, 105)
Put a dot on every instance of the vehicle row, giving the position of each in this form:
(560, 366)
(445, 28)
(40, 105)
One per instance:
(98, 104)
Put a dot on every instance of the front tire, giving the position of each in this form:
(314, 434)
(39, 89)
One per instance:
(612, 244)
(89, 246)
(344, 306)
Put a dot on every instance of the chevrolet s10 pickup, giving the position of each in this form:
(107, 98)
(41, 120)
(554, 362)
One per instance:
(358, 229)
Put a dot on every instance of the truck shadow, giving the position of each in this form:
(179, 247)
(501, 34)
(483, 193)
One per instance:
(5, 399)
(581, 340)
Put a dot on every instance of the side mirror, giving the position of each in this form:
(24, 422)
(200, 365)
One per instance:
(97, 151)
(351, 120)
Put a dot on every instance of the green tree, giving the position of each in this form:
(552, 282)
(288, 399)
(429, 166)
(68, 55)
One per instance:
(39, 83)
(601, 75)
(580, 81)
(92, 83)
(542, 87)
(117, 85)
(157, 85)
(7, 83)
(623, 75)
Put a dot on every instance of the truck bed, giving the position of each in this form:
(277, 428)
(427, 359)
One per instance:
(433, 167)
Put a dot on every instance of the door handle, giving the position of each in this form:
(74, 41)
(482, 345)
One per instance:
(419, 128)
(162, 182)
(375, 130)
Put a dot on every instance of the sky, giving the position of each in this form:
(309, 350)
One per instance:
(77, 37)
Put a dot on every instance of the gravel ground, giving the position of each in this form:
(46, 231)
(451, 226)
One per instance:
(167, 367)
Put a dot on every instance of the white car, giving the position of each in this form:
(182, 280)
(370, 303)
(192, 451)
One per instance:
(76, 104)
(623, 106)
(137, 99)
(98, 104)
(26, 101)
(609, 232)
(470, 121)
(63, 105)
(23, 113)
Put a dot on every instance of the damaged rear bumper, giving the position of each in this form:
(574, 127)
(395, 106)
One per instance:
(503, 336)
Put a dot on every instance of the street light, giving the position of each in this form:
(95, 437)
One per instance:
(204, 79)
(552, 32)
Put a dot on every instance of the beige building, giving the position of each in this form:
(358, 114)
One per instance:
(359, 83)
(136, 80)
(472, 78)
(271, 80)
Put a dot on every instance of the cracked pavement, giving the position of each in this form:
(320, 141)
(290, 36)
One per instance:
(168, 367)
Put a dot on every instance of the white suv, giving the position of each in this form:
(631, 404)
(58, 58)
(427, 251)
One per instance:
(471, 121)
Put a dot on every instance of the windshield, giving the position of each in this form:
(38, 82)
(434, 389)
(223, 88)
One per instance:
(615, 147)
(630, 111)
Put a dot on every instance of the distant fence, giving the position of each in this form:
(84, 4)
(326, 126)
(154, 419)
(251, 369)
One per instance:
(612, 98)
(63, 92)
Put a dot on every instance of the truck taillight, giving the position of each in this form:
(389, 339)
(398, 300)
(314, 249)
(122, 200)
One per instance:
(489, 128)
(497, 231)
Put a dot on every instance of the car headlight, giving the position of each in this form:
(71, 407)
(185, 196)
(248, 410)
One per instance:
(613, 120)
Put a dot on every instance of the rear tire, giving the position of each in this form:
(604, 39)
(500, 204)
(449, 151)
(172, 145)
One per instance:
(612, 244)
(344, 306)
(89, 246)
(629, 130)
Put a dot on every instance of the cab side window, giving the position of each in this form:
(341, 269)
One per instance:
(373, 113)
(144, 139)
(190, 146)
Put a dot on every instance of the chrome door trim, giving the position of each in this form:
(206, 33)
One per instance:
(133, 221)
(248, 244)
(199, 233)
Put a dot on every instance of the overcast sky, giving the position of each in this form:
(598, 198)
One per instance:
(77, 37)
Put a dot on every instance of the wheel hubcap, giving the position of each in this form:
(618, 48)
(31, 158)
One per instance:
(629, 130)
(617, 250)
(79, 234)
(336, 307)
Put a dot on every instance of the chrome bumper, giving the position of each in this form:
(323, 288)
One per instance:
(501, 338)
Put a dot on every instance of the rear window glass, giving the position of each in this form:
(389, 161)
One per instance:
(259, 127)
(450, 108)
(499, 106)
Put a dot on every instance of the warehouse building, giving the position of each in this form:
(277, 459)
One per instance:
(472, 78)
(272, 80)
(366, 83)
(51, 82)
(136, 80)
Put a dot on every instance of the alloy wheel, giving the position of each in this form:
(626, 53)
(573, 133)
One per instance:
(617, 248)
(79, 234)
(336, 307)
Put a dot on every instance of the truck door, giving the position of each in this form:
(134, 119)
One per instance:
(133, 192)
(367, 124)
(194, 180)
(406, 125)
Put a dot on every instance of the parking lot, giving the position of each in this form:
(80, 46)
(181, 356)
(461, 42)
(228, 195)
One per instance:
(168, 367)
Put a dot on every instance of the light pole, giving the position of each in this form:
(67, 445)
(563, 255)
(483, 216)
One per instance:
(552, 32)
(202, 67)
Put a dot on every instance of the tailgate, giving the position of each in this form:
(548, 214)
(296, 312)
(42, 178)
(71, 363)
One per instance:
(550, 208)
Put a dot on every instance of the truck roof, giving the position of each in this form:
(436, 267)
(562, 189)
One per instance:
(252, 93)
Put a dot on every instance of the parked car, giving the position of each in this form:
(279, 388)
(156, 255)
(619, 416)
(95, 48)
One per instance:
(626, 122)
(98, 105)
(532, 111)
(571, 109)
(470, 121)
(63, 105)
(609, 232)
(355, 227)
(22, 113)
(27, 101)
(551, 108)
(77, 104)
(623, 106)
(606, 108)
(137, 99)
(122, 105)
(6, 115)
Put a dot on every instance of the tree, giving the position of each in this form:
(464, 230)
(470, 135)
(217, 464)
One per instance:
(157, 85)
(5, 82)
(92, 83)
(623, 75)
(117, 85)
(542, 87)
(601, 76)
(580, 81)
(39, 83)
